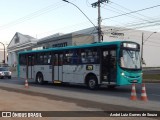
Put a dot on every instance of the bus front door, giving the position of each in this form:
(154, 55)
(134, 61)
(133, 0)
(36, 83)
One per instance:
(57, 68)
(108, 66)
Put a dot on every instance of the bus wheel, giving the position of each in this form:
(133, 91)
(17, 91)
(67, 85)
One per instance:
(92, 83)
(39, 78)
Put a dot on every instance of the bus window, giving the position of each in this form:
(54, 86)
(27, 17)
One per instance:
(47, 58)
(83, 57)
(60, 59)
(89, 56)
(71, 57)
(67, 57)
(40, 59)
(22, 59)
(55, 59)
(75, 57)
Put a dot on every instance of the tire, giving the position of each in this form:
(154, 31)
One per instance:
(92, 83)
(9, 77)
(39, 79)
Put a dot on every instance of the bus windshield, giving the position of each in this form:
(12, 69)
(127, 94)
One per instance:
(130, 59)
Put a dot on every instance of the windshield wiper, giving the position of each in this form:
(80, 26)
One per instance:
(129, 53)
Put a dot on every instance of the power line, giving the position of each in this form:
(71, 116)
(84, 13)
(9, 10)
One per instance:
(33, 15)
(131, 12)
(137, 27)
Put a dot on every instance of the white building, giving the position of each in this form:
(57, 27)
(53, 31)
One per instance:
(19, 43)
(24, 42)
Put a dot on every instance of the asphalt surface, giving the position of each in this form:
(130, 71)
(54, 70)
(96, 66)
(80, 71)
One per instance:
(152, 89)
(40, 99)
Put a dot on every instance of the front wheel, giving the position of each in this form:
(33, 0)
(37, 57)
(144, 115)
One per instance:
(39, 79)
(92, 83)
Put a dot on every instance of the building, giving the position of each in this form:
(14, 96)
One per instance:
(19, 43)
(2, 56)
(22, 42)
(62, 40)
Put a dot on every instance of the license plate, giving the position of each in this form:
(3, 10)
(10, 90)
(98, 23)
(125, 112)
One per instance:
(134, 80)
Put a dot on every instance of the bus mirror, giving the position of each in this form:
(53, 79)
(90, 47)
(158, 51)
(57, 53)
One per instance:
(143, 62)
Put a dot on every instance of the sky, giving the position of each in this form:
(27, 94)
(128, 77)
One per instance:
(40, 18)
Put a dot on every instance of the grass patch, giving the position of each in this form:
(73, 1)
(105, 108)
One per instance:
(151, 76)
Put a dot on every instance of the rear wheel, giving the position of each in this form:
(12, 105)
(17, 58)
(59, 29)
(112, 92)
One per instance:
(39, 79)
(92, 83)
(9, 77)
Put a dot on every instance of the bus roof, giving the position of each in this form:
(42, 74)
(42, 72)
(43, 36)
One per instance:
(96, 44)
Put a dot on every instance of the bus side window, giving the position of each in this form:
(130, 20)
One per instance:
(60, 59)
(89, 56)
(55, 59)
(40, 59)
(22, 60)
(47, 58)
(74, 59)
(83, 57)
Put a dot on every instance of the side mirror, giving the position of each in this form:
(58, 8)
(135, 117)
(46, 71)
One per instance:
(143, 62)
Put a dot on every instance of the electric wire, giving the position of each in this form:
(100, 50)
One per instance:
(132, 12)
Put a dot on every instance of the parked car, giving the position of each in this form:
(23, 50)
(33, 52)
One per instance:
(4, 72)
(3, 65)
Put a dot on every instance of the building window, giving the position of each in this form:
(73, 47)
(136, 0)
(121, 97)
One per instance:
(60, 45)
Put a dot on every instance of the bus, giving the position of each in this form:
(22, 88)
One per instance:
(105, 63)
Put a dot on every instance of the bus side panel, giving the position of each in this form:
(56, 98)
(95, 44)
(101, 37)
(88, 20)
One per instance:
(69, 74)
(46, 71)
(77, 73)
(22, 71)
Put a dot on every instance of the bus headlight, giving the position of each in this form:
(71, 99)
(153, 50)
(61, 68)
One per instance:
(122, 74)
(10, 73)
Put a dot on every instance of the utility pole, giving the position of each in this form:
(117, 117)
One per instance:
(143, 41)
(142, 48)
(99, 17)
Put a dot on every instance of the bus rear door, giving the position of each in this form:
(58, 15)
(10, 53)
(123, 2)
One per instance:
(57, 67)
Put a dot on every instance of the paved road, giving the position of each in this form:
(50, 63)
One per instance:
(122, 91)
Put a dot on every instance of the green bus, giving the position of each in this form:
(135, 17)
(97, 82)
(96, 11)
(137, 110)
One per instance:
(106, 63)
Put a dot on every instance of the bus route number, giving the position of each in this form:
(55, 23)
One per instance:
(89, 67)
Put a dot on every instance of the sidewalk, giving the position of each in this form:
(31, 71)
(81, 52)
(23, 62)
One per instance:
(14, 74)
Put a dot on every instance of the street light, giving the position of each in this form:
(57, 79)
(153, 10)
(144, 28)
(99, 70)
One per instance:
(4, 50)
(143, 41)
